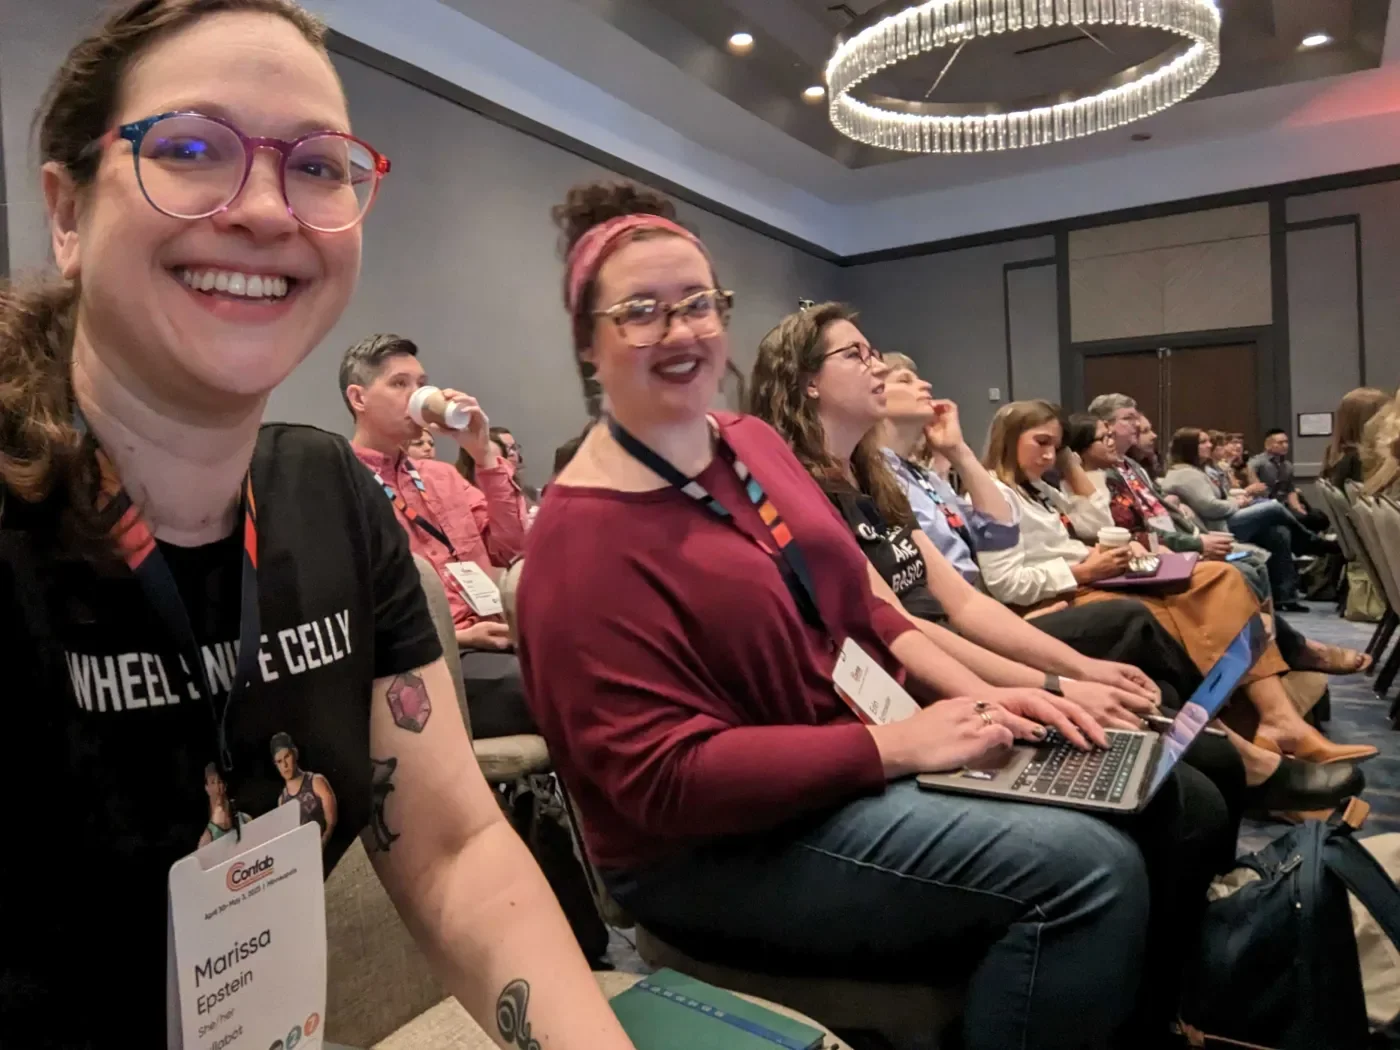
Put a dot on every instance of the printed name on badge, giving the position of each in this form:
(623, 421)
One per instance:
(868, 689)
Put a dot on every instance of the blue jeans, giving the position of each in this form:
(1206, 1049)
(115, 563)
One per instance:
(1046, 912)
(1271, 525)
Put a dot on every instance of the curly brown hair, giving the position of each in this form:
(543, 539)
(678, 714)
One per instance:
(788, 357)
(44, 458)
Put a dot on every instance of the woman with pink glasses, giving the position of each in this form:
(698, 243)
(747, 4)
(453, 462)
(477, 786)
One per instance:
(180, 587)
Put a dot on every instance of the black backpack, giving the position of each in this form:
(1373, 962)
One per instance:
(1278, 963)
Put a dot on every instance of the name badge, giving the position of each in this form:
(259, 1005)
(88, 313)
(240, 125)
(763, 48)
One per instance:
(246, 955)
(868, 689)
(479, 589)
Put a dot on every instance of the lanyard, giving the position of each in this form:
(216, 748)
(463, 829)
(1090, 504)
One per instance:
(955, 520)
(143, 556)
(784, 551)
(1049, 504)
(408, 512)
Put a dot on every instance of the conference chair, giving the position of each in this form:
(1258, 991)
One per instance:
(1364, 517)
(1340, 504)
(1385, 514)
(900, 1013)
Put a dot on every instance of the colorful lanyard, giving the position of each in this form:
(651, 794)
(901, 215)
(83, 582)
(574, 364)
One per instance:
(955, 520)
(133, 537)
(1050, 505)
(784, 551)
(408, 512)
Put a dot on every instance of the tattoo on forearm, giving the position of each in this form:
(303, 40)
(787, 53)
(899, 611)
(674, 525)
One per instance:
(377, 837)
(409, 702)
(512, 1015)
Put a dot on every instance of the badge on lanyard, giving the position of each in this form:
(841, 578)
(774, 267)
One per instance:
(246, 955)
(477, 587)
(868, 689)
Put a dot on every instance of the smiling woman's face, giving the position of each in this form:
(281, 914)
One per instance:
(139, 311)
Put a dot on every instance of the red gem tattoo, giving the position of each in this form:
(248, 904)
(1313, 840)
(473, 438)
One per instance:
(409, 703)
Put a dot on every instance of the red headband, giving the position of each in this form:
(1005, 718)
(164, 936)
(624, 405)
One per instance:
(586, 257)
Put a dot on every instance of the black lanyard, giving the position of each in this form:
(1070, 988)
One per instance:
(412, 515)
(784, 551)
(143, 556)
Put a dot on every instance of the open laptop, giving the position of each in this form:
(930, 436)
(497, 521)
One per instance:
(1122, 778)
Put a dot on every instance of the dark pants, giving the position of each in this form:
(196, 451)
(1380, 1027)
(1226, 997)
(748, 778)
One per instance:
(1072, 931)
(1273, 526)
(495, 695)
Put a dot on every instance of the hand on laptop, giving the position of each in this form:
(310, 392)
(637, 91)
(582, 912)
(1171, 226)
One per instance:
(1121, 676)
(1111, 707)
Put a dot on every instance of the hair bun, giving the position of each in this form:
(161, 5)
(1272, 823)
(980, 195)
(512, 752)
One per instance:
(591, 203)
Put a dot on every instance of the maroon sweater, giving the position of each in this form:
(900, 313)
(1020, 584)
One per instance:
(681, 692)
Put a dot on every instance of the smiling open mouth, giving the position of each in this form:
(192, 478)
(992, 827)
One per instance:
(234, 284)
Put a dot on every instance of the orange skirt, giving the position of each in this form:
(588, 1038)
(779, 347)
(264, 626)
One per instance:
(1204, 618)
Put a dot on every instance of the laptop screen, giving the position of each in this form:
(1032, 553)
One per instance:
(1209, 698)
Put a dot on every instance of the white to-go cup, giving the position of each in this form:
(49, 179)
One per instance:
(429, 405)
(1114, 536)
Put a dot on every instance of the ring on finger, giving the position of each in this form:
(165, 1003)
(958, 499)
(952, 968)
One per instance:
(983, 710)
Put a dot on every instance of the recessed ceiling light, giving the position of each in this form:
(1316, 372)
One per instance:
(1316, 40)
(741, 43)
(815, 93)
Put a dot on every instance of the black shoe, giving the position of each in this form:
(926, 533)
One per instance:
(1291, 607)
(1298, 785)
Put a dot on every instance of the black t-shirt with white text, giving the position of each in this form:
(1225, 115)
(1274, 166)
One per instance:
(112, 745)
(890, 548)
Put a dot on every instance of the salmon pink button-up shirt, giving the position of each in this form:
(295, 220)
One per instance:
(485, 525)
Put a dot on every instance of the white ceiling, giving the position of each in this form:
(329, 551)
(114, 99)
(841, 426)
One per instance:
(561, 63)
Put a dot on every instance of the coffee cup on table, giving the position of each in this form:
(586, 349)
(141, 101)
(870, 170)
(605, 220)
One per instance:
(1114, 536)
(429, 406)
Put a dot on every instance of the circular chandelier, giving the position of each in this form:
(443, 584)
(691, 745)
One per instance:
(895, 32)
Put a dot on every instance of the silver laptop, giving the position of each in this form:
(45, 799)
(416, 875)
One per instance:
(1121, 778)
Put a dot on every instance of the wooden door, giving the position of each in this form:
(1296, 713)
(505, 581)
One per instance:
(1214, 388)
(1138, 374)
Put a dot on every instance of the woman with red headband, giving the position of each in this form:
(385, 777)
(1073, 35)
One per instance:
(679, 658)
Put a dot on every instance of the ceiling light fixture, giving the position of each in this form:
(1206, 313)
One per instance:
(896, 31)
(815, 93)
(1316, 40)
(741, 43)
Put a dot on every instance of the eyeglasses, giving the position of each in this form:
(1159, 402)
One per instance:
(868, 356)
(645, 322)
(191, 166)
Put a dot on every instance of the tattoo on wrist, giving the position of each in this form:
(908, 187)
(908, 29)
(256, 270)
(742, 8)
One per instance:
(377, 837)
(512, 1016)
(409, 702)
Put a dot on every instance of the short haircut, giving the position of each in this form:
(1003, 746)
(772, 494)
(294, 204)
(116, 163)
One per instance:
(1105, 406)
(281, 742)
(1277, 430)
(1081, 430)
(361, 364)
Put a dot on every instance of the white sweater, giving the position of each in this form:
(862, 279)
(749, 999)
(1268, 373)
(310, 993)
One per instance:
(1039, 566)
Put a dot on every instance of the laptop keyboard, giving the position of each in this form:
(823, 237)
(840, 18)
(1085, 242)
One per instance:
(1061, 770)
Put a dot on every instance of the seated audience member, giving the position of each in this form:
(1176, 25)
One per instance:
(680, 658)
(1380, 452)
(1342, 461)
(132, 386)
(837, 436)
(1265, 523)
(423, 446)
(1144, 450)
(448, 521)
(1051, 564)
(1274, 470)
(509, 454)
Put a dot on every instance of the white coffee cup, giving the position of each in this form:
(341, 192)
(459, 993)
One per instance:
(1113, 536)
(430, 405)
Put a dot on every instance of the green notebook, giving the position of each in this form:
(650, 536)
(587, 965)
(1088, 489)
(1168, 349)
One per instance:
(669, 1011)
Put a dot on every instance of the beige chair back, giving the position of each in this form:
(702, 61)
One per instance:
(441, 613)
(1385, 513)
(1330, 500)
(1363, 515)
(376, 978)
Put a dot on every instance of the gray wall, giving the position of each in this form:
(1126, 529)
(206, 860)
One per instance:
(948, 312)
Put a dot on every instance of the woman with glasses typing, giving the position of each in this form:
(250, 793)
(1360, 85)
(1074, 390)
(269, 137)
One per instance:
(177, 582)
(686, 596)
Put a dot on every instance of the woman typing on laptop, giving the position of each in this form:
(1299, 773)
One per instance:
(687, 603)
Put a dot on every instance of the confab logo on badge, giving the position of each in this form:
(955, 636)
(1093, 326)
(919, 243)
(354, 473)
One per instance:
(241, 875)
